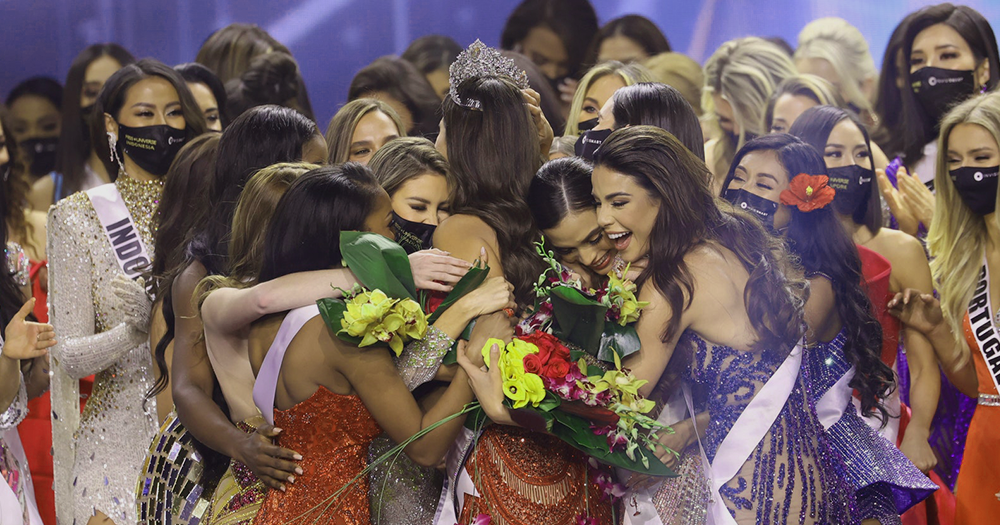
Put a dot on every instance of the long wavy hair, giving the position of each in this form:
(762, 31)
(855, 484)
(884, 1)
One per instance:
(340, 130)
(660, 105)
(493, 153)
(825, 249)
(15, 192)
(629, 74)
(814, 126)
(690, 215)
(183, 205)
(957, 237)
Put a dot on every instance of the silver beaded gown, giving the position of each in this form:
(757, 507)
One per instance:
(97, 456)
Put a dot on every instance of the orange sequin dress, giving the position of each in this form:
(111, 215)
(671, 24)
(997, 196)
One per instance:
(332, 432)
(978, 485)
(530, 478)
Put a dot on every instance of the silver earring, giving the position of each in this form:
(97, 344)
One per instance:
(113, 145)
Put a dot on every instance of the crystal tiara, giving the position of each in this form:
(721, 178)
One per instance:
(482, 61)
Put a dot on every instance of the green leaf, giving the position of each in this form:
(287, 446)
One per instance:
(332, 311)
(576, 431)
(550, 403)
(451, 356)
(379, 263)
(580, 319)
(619, 339)
(470, 281)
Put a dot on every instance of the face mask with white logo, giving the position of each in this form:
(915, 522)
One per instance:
(854, 186)
(938, 90)
(977, 188)
(758, 206)
(153, 148)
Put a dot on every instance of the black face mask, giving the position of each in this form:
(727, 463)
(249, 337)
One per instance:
(41, 152)
(853, 184)
(758, 206)
(153, 148)
(937, 90)
(977, 187)
(587, 125)
(587, 145)
(412, 236)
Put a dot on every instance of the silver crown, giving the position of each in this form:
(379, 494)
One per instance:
(479, 60)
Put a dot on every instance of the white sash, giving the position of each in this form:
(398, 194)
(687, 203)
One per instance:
(10, 506)
(981, 320)
(746, 433)
(118, 226)
(267, 377)
(831, 405)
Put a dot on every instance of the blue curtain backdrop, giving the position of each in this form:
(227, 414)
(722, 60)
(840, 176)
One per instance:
(332, 39)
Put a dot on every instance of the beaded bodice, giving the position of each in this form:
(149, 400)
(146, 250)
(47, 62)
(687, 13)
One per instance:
(332, 432)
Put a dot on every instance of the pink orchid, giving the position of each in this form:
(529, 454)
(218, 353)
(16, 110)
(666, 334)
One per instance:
(585, 520)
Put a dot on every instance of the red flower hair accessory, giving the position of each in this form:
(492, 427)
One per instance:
(808, 192)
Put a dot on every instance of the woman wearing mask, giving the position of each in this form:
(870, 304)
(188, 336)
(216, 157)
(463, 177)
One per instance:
(645, 104)
(359, 129)
(418, 181)
(846, 150)
(208, 92)
(78, 167)
(845, 334)
(739, 79)
(33, 110)
(144, 104)
(963, 240)
(594, 90)
(950, 53)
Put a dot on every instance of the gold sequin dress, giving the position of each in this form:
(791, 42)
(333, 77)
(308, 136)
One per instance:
(97, 456)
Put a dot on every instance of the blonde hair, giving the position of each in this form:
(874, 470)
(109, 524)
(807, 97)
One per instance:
(845, 48)
(254, 210)
(681, 73)
(340, 131)
(629, 73)
(404, 158)
(957, 237)
(813, 87)
(745, 72)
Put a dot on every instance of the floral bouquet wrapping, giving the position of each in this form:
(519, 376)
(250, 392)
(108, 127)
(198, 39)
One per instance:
(597, 320)
(600, 413)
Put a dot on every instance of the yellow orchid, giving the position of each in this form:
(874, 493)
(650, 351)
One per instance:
(621, 293)
(414, 320)
(377, 318)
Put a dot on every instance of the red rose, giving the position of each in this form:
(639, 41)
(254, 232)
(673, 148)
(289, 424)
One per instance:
(532, 364)
(556, 368)
(548, 346)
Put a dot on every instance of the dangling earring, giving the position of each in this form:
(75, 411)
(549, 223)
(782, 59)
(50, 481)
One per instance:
(113, 145)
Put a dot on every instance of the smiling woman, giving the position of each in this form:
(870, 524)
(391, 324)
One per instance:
(360, 128)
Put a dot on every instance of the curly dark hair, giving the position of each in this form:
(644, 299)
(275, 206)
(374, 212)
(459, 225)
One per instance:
(825, 249)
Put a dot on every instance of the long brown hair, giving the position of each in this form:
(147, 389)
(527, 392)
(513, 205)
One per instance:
(494, 152)
(690, 215)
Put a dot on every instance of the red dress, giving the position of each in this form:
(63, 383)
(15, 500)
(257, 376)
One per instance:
(332, 432)
(979, 479)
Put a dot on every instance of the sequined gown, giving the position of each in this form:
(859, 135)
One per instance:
(885, 481)
(17, 499)
(332, 432)
(97, 456)
(978, 486)
(791, 475)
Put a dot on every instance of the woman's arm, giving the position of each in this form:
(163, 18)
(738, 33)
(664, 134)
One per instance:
(192, 382)
(23, 340)
(80, 351)
(925, 380)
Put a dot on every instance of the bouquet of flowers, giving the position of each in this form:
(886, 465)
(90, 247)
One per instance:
(597, 320)
(599, 412)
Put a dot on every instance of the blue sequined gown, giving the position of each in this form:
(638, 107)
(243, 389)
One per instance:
(885, 481)
(792, 476)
